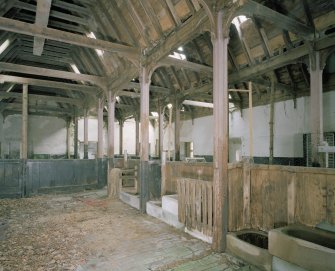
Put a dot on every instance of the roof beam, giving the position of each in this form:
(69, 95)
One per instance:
(276, 62)
(162, 90)
(252, 8)
(67, 37)
(187, 31)
(49, 84)
(35, 109)
(173, 12)
(34, 97)
(97, 80)
(169, 61)
(53, 14)
(41, 20)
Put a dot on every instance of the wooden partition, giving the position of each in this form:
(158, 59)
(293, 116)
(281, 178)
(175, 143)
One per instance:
(174, 170)
(195, 204)
(283, 195)
(260, 196)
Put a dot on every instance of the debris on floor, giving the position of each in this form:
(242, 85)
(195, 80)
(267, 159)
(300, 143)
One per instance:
(88, 231)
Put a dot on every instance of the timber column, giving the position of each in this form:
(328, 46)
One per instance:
(316, 109)
(75, 137)
(111, 119)
(144, 150)
(137, 135)
(24, 127)
(68, 138)
(121, 121)
(86, 135)
(160, 130)
(220, 101)
(177, 131)
(100, 151)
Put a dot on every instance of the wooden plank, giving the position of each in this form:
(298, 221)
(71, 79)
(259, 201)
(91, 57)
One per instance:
(279, 180)
(204, 204)
(256, 203)
(198, 205)
(183, 191)
(291, 196)
(193, 206)
(311, 199)
(246, 195)
(210, 208)
(187, 204)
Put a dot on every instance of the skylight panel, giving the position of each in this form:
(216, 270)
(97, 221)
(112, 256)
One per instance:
(4, 46)
(237, 21)
(75, 68)
(98, 51)
(178, 56)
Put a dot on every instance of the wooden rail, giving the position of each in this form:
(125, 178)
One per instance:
(195, 204)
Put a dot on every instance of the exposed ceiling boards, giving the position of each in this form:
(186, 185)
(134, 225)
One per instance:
(105, 40)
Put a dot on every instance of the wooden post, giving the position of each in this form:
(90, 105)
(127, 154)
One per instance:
(85, 135)
(111, 119)
(251, 144)
(316, 109)
(68, 138)
(246, 194)
(75, 138)
(121, 136)
(220, 100)
(177, 132)
(137, 136)
(160, 129)
(144, 152)
(100, 152)
(24, 127)
(271, 122)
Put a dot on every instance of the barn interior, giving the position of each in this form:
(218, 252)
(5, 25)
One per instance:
(167, 135)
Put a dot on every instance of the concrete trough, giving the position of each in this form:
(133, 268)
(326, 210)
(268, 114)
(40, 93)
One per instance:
(251, 246)
(166, 210)
(308, 248)
(130, 199)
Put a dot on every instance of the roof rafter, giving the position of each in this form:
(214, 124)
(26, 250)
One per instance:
(49, 84)
(97, 80)
(252, 8)
(41, 20)
(67, 37)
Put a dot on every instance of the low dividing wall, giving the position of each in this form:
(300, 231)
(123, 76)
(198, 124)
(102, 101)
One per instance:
(20, 178)
(266, 197)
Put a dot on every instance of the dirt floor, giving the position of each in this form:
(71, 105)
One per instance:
(88, 231)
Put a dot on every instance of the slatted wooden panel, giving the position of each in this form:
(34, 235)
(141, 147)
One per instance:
(195, 204)
(275, 196)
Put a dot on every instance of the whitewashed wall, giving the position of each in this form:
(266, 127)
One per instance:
(290, 125)
(46, 135)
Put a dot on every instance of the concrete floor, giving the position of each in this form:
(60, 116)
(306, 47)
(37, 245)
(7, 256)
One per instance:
(87, 231)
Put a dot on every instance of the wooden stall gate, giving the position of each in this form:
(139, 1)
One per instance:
(195, 204)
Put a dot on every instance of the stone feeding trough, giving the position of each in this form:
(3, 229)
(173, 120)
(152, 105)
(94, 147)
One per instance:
(251, 246)
(304, 247)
